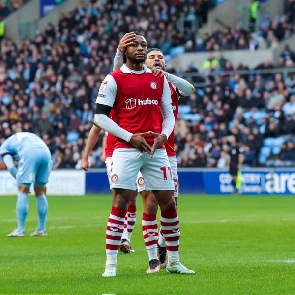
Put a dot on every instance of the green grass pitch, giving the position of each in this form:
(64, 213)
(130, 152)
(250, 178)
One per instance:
(236, 244)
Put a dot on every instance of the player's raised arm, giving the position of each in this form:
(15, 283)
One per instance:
(126, 41)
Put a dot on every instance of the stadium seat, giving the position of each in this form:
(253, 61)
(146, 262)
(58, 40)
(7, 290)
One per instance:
(265, 152)
(269, 142)
(191, 117)
(276, 150)
(72, 137)
(184, 109)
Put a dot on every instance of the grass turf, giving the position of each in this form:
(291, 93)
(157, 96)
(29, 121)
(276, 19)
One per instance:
(236, 244)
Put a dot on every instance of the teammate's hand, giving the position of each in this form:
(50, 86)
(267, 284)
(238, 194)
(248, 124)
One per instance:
(85, 164)
(138, 141)
(103, 157)
(157, 71)
(126, 41)
(159, 140)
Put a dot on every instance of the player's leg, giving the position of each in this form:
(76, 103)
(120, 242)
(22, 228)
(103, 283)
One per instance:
(42, 209)
(162, 250)
(129, 223)
(150, 229)
(43, 170)
(24, 177)
(22, 208)
(159, 179)
(126, 164)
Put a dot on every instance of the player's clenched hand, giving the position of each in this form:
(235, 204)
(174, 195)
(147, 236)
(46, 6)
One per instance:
(85, 164)
(126, 41)
(157, 71)
(159, 140)
(138, 141)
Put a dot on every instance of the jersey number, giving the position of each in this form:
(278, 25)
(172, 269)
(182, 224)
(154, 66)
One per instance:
(164, 171)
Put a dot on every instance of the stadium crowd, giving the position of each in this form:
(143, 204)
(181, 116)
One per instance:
(49, 86)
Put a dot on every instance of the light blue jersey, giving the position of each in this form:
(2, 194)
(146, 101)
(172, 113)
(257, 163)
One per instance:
(34, 158)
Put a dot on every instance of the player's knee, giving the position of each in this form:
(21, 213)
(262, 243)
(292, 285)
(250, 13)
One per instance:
(133, 198)
(40, 188)
(121, 198)
(151, 208)
(24, 188)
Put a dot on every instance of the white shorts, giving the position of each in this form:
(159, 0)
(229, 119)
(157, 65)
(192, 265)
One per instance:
(140, 182)
(109, 164)
(128, 162)
(173, 163)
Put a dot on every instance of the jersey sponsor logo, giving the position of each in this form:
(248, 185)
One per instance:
(132, 103)
(153, 85)
(140, 181)
(147, 102)
(101, 95)
(114, 178)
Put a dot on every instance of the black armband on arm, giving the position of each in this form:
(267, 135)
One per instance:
(102, 109)
(180, 94)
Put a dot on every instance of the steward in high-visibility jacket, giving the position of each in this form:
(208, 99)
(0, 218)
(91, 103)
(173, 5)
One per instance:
(253, 13)
(2, 28)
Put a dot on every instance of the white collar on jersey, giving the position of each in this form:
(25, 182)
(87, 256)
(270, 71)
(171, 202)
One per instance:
(126, 70)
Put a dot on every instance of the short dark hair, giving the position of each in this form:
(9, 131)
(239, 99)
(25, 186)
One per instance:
(151, 49)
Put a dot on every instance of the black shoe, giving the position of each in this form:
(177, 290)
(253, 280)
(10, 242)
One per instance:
(162, 254)
(153, 266)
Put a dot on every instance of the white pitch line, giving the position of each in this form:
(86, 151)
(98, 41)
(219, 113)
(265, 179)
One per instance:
(75, 226)
(54, 218)
(282, 261)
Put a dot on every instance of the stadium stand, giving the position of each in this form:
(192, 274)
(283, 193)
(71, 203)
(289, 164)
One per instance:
(49, 84)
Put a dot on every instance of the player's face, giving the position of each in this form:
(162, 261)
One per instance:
(136, 52)
(155, 59)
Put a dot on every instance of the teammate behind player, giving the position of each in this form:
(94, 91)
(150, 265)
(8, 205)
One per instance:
(34, 166)
(142, 104)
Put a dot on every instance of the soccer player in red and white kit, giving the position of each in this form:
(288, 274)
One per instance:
(179, 88)
(144, 121)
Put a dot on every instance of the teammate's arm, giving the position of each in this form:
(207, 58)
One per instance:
(8, 161)
(103, 148)
(91, 141)
(184, 88)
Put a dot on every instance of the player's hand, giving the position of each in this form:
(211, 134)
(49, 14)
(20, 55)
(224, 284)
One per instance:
(126, 41)
(103, 157)
(138, 141)
(85, 164)
(2, 166)
(159, 140)
(157, 71)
